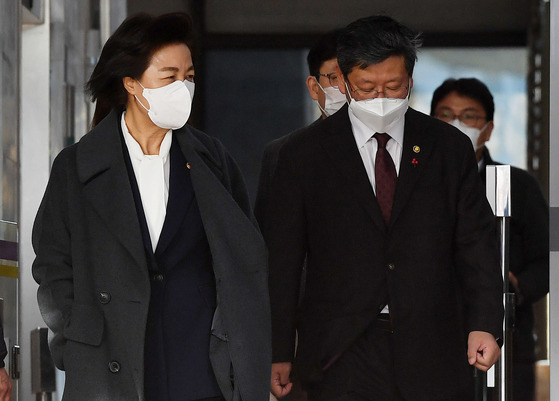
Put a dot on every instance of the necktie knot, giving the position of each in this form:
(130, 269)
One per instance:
(382, 139)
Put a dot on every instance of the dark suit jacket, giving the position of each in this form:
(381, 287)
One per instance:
(437, 261)
(267, 170)
(94, 288)
(528, 253)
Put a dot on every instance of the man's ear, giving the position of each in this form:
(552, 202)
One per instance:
(341, 80)
(312, 86)
(131, 86)
(486, 134)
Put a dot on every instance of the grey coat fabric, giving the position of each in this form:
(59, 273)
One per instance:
(94, 288)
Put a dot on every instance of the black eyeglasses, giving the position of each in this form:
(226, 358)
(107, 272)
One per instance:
(468, 118)
(391, 93)
(332, 78)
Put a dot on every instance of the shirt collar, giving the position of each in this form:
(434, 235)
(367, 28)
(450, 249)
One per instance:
(135, 149)
(362, 133)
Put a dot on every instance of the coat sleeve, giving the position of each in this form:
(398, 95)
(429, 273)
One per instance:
(3, 349)
(52, 267)
(476, 252)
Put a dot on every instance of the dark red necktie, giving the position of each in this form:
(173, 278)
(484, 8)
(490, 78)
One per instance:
(385, 176)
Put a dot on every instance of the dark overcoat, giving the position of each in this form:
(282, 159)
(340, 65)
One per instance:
(94, 289)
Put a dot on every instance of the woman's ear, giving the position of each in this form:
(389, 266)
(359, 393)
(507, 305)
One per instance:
(131, 86)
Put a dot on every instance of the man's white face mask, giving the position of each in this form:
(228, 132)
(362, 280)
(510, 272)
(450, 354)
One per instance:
(333, 99)
(379, 114)
(471, 132)
(170, 105)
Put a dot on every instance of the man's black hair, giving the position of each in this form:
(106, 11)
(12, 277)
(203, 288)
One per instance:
(470, 87)
(323, 50)
(372, 40)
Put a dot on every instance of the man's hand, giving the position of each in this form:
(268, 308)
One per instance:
(281, 385)
(483, 350)
(5, 385)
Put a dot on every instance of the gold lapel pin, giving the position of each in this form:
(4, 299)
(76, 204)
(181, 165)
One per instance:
(188, 165)
(416, 149)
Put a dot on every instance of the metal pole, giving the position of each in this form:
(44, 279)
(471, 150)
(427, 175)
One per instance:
(43, 374)
(498, 194)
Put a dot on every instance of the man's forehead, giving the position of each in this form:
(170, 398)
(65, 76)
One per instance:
(329, 64)
(456, 101)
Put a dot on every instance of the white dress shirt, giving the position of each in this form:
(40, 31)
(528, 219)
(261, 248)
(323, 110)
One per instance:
(152, 175)
(368, 145)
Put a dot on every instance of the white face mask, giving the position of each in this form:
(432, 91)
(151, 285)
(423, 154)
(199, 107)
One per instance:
(379, 114)
(170, 105)
(471, 132)
(334, 99)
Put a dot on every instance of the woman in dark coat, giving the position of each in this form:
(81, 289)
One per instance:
(151, 270)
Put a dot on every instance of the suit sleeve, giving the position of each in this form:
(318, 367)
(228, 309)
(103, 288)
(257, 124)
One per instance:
(52, 267)
(284, 233)
(264, 182)
(477, 253)
(533, 221)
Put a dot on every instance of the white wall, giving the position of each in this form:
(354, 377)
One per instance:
(34, 170)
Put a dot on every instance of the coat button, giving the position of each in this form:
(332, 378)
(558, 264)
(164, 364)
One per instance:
(391, 266)
(158, 277)
(114, 366)
(104, 297)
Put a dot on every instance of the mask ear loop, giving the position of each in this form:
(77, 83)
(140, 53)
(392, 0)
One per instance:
(141, 104)
(478, 147)
(348, 92)
(317, 102)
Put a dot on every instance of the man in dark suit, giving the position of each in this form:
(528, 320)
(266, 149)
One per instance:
(468, 104)
(403, 291)
(322, 84)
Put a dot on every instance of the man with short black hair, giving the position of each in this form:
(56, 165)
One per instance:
(403, 292)
(322, 81)
(468, 104)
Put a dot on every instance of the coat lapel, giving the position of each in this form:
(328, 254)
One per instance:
(340, 146)
(217, 206)
(102, 171)
(415, 153)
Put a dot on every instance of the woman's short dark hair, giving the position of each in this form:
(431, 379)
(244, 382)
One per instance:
(128, 52)
(469, 87)
(372, 40)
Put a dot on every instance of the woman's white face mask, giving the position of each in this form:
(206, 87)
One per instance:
(379, 114)
(170, 105)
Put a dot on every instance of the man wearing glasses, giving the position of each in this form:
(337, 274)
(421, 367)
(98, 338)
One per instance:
(322, 81)
(403, 293)
(468, 104)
